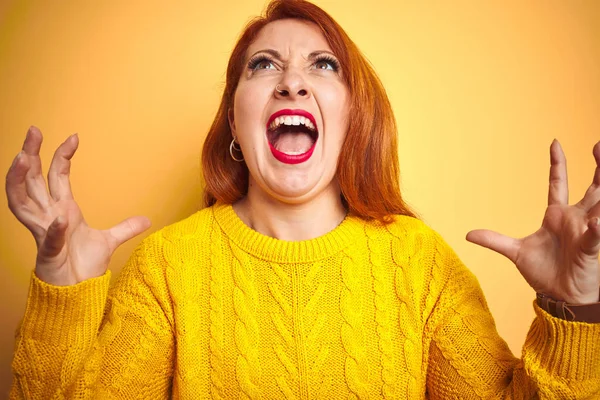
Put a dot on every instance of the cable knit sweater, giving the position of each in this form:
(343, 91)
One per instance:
(207, 308)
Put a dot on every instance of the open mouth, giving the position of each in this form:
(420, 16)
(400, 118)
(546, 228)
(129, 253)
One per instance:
(292, 135)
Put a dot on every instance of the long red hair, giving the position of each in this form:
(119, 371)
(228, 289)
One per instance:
(368, 170)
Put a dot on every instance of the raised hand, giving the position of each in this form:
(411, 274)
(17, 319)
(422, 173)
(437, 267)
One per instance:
(69, 251)
(561, 258)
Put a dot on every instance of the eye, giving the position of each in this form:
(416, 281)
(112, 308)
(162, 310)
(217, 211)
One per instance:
(327, 63)
(323, 65)
(260, 63)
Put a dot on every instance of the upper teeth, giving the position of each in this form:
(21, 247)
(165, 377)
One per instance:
(291, 120)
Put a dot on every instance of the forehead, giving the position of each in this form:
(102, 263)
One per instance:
(289, 35)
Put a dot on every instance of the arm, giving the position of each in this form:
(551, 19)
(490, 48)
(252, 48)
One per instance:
(469, 360)
(81, 342)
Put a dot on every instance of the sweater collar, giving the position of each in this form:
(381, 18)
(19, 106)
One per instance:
(282, 251)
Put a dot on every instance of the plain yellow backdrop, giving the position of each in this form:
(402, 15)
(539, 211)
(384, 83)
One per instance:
(479, 90)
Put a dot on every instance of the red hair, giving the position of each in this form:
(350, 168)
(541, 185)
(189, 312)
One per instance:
(367, 171)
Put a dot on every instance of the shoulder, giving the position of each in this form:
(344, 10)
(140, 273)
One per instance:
(404, 228)
(174, 238)
(194, 226)
(403, 225)
(413, 239)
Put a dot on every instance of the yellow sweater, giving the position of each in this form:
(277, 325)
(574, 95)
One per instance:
(207, 308)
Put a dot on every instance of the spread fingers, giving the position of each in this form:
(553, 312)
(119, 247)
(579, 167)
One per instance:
(58, 174)
(34, 181)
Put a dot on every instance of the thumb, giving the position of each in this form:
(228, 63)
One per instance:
(495, 241)
(128, 229)
(590, 240)
(55, 238)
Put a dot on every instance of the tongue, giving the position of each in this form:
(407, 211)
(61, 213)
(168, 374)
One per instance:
(293, 142)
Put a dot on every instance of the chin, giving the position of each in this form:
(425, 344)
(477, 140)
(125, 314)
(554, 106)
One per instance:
(292, 184)
(294, 192)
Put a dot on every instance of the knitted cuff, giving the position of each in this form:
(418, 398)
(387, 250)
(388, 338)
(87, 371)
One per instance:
(563, 348)
(56, 314)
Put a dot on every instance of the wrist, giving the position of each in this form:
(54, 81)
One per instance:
(585, 300)
(579, 299)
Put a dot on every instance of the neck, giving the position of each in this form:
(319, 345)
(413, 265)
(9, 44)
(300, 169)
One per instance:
(291, 222)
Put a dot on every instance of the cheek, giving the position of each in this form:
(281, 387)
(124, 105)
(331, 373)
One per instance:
(243, 108)
(336, 106)
(249, 107)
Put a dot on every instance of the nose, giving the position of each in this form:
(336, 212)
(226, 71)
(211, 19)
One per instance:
(292, 86)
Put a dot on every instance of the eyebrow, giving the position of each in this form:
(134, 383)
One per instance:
(276, 54)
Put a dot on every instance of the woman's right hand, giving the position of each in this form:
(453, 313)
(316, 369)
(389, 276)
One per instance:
(69, 251)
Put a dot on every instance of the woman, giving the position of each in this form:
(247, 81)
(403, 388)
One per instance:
(306, 276)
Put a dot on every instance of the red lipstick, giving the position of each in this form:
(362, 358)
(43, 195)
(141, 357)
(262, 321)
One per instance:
(289, 158)
(292, 158)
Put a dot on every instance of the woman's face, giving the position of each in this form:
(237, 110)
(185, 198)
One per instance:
(291, 139)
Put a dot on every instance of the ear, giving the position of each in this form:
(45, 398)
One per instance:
(231, 121)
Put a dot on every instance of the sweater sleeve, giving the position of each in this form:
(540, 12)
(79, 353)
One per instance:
(469, 360)
(84, 341)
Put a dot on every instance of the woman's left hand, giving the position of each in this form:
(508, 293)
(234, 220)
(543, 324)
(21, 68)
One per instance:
(561, 258)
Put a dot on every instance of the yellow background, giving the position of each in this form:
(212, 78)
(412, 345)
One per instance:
(479, 91)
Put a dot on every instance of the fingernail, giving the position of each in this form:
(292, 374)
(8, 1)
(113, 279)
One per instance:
(597, 221)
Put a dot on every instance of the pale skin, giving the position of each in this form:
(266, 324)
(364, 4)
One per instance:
(560, 259)
(296, 202)
(291, 202)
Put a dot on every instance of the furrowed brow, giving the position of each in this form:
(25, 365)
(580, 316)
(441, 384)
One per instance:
(277, 55)
(314, 54)
(272, 52)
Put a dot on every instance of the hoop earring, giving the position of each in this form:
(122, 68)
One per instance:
(233, 147)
